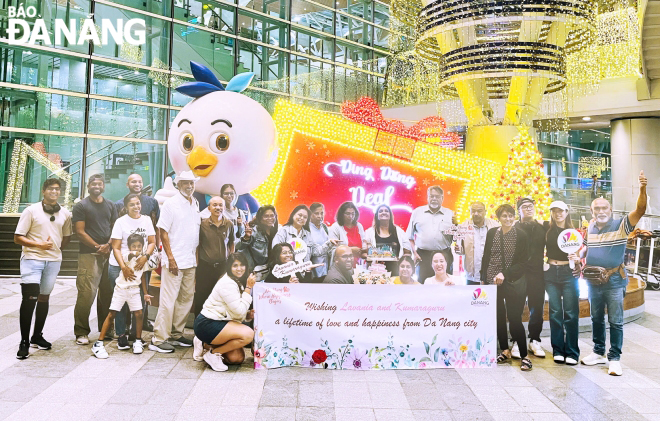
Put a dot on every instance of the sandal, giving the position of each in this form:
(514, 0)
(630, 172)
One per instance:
(505, 355)
(525, 364)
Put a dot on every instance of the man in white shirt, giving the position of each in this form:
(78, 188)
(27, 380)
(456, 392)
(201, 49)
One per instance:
(472, 246)
(179, 233)
(426, 232)
(43, 230)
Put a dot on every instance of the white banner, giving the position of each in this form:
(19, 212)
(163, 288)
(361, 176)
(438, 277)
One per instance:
(375, 327)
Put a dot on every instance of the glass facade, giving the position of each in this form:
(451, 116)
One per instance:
(90, 109)
(572, 158)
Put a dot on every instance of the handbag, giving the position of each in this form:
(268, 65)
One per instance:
(597, 275)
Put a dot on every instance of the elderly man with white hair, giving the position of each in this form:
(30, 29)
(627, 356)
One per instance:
(179, 232)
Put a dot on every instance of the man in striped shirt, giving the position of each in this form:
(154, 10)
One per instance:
(606, 244)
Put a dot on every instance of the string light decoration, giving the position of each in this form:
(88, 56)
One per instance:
(19, 157)
(163, 78)
(430, 129)
(588, 166)
(445, 46)
(478, 176)
(523, 176)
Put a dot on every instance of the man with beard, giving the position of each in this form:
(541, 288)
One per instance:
(93, 218)
(149, 207)
(606, 245)
(179, 232)
(341, 271)
(534, 276)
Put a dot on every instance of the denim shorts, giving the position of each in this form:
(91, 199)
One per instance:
(207, 329)
(40, 272)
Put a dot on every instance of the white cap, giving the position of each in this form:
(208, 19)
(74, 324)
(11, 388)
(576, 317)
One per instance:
(185, 176)
(559, 205)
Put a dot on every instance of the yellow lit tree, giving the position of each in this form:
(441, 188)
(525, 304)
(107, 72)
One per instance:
(523, 176)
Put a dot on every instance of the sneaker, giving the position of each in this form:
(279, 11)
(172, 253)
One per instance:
(82, 340)
(40, 342)
(99, 350)
(164, 348)
(182, 341)
(615, 369)
(559, 359)
(215, 361)
(198, 349)
(122, 343)
(515, 351)
(138, 346)
(593, 359)
(535, 348)
(571, 361)
(23, 350)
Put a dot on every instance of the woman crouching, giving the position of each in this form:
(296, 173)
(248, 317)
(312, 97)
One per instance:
(219, 328)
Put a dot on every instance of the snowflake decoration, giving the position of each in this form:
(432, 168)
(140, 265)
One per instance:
(310, 145)
(327, 153)
(294, 194)
(297, 150)
(426, 181)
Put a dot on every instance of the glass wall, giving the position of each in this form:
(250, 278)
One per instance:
(84, 109)
(572, 158)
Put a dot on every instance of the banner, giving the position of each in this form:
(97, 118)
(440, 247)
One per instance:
(374, 327)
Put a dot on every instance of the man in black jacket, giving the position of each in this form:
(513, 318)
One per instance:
(341, 271)
(533, 274)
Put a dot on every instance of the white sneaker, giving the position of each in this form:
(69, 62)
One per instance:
(615, 369)
(593, 359)
(536, 349)
(215, 361)
(559, 359)
(99, 350)
(198, 349)
(515, 351)
(571, 361)
(138, 346)
(82, 340)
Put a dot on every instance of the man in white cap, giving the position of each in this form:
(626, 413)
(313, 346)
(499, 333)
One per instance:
(179, 233)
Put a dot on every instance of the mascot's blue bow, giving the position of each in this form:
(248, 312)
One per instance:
(206, 82)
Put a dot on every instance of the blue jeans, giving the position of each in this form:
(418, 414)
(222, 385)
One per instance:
(601, 297)
(40, 272)
(564, 310)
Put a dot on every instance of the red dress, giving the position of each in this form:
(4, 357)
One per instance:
(353, 234)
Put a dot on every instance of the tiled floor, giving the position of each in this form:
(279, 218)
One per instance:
(68, 383)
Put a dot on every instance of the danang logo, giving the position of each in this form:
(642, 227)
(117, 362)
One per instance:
(479, 298)
(22, 31)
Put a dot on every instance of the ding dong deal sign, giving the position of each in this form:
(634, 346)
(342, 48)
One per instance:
(331, 173)
(329, 159)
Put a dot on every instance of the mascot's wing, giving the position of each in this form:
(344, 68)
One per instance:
(166, 192)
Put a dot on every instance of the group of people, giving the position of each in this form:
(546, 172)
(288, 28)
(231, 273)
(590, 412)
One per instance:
(212, 259)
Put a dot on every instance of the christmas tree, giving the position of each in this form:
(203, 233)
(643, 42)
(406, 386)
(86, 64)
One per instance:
(523, 176)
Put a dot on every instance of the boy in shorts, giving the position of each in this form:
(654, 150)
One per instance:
(127, 292)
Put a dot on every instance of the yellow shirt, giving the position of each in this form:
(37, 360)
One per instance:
(397, 280)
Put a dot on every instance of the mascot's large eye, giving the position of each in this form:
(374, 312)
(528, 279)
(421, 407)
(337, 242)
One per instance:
(187, 142)
(219, 142)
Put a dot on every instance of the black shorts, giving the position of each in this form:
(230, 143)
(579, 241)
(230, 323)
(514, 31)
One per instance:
(207, 329)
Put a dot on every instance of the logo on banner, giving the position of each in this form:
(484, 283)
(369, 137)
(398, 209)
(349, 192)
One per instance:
(479, 298)
(299, 249)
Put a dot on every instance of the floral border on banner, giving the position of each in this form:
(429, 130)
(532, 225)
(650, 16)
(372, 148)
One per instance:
(456, 353)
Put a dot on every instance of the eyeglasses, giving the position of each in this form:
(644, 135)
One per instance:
(527, 207)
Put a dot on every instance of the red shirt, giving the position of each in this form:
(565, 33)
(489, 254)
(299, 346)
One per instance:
(353, 234)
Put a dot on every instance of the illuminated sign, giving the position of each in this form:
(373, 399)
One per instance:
(330, 159)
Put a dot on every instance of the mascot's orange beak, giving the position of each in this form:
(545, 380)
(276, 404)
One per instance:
(201, 161)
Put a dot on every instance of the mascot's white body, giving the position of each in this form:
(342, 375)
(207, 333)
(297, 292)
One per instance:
(223, 137)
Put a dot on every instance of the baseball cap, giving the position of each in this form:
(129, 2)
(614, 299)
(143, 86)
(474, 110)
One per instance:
(559, 204)
(524, 200)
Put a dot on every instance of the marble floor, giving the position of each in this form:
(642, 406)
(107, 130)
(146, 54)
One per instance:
(68, 383)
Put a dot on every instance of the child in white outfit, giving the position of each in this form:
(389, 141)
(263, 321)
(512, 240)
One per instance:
(127, 291)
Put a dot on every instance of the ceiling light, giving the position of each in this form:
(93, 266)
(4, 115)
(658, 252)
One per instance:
(586, 118)
(136, 72)
(120, 77)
